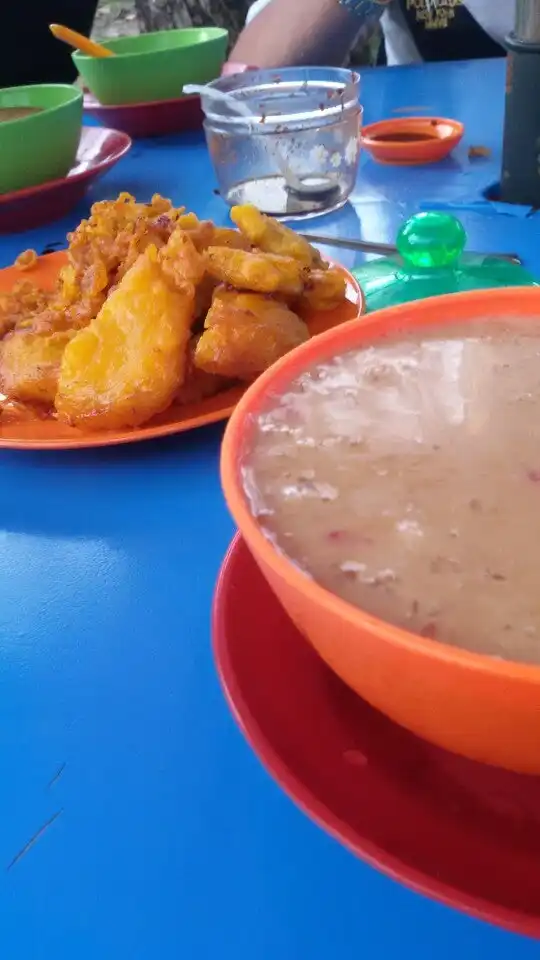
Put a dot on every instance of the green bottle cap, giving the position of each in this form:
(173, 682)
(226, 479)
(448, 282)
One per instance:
(430, 262)
(431, 240)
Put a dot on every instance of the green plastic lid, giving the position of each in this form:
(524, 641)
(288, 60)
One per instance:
(431, 262)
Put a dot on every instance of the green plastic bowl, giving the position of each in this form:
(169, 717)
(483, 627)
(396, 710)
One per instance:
(154, 66)
(41, 146)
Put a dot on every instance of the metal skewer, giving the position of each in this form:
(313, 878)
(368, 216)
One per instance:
(387, 249)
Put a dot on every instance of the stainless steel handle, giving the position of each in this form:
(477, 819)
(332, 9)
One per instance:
(387, 249)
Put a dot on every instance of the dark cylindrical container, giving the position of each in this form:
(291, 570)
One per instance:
(520, 177)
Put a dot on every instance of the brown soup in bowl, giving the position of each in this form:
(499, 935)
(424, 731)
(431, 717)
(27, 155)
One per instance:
(16, 113)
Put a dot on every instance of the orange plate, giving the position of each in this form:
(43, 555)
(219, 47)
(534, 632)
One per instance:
(48, 434)
(407, 141)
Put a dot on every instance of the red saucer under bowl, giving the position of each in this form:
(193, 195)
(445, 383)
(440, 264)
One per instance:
(457, 831)
(149, 119)
(99, 149)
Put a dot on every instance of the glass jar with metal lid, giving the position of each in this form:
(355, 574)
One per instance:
(286, 140)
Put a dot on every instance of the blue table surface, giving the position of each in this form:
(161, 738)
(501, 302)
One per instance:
(172, 841)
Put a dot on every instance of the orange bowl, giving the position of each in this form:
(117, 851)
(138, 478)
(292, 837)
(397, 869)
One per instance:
(474, 705)
(408, 141)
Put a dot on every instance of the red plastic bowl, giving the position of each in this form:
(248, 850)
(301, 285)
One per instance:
(461, 832)
(149, 119)
(99, 150)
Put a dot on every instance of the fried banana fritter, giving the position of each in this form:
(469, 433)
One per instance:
(129, 363)
(198, 384)
(270, 236)
(324, 290)
(245, 333)
(227, 237)
(103, 248)
(205, 234)
(154, 307)
(259, 272)
(100, 251)
(30, 365)
(18, 307)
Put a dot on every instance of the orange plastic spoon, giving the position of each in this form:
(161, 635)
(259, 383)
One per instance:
(79, 42)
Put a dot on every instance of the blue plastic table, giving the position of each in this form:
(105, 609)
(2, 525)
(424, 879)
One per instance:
(171, 841)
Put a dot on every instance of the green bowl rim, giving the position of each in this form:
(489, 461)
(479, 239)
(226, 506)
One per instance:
(77, 95)
(219, 33)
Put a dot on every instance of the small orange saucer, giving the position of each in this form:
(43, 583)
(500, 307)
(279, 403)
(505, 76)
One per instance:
(407, 141)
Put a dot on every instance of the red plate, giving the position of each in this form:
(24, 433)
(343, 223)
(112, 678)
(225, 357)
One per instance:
(149, 119)
(460, 832)
(99, 150)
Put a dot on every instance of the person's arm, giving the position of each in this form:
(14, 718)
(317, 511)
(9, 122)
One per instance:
(496, 17)
(304, 32)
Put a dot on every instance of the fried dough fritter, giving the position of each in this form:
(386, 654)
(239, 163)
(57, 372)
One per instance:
(30, 365)
(18, 307)
(245, 333)
(201, 232)
(198, 384)
(26, 260)
(100, 251)
(154, 307)
(180, 260)
(129, 363)
(227, 237)
(324, 290)
(270, 236)
(258, 272)
(109, 242)
(205, 234)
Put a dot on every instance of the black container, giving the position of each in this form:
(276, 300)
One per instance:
(520, 176)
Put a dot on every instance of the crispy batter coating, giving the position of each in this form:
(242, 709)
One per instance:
(100, 252)
(103, 248)
(205, 234)
(201, 232)
(26, 260)
(259, 272)
(30, 364)
(198, 385)
(273, 237)
(129, 363)
(324, 290)
(227, 237)
(245, 333)
(180, 261)
(18, 307)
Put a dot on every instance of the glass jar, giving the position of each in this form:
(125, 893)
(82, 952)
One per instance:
(290, 144)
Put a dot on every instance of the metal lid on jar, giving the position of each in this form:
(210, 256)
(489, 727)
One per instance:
(527, 22)
(283, 100)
